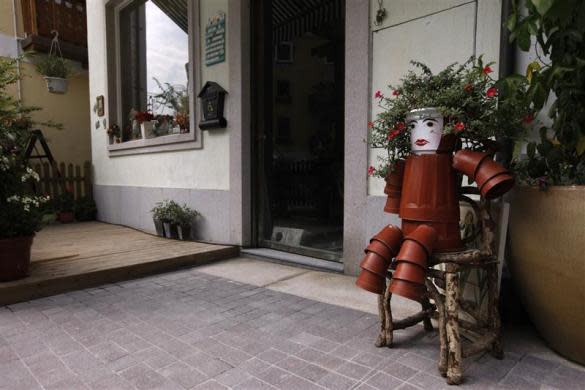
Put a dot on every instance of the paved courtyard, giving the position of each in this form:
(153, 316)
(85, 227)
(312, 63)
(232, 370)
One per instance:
(193, 329)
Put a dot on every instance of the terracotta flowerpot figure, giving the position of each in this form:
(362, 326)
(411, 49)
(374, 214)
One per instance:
(429, 198)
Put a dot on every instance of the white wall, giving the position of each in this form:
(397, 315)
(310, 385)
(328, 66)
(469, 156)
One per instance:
(436, 33)
(206, 168)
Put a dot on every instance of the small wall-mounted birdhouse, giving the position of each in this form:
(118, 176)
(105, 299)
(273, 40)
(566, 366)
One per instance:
(212, 97)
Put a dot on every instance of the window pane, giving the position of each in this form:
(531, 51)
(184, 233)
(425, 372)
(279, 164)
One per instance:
(154, 56)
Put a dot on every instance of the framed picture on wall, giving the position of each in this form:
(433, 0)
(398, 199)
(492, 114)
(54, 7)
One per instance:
(283, 94)
(284, 53)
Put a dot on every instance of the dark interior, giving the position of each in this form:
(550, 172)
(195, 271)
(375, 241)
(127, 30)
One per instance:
(299, 116)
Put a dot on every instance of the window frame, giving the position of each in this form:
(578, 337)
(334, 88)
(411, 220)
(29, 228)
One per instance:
(171, 142)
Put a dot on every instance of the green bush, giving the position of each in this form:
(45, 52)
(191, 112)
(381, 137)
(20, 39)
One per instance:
(53, 66)
(20, 208)
(170, 211)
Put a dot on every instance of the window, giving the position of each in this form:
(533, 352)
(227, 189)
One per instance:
(154, 84)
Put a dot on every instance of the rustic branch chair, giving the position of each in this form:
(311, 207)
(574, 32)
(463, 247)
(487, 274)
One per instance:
(443, 289)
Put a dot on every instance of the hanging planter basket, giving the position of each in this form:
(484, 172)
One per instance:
(55, 68)
(56, 84)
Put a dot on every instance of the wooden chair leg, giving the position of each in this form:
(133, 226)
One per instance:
(454, 374)
(426, 304)
(385, 338)
(436, 297)
(497, 350)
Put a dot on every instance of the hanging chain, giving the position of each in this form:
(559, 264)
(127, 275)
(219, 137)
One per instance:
(380, 14)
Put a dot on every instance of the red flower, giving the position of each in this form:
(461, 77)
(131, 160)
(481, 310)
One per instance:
(487, 70)
(395, 93)
(528, 118)
(459, 126)
(370, 124)
(393, 134)
(400, 126)
(491, 92)
(371, 170)
(143, 116)
(468, 88)
(378, 95)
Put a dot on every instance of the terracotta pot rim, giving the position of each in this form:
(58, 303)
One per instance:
(409, 262)
(427, 251)
(491, 156)
(17, 238)
(392, 250)
(374, 250)
(487, 181)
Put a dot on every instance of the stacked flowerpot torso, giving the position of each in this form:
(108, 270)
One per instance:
(424, 191)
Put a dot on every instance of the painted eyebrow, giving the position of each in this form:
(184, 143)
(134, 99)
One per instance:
(431, 119)
(411, 121)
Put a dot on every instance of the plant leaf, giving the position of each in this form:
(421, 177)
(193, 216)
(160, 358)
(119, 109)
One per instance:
(542, 6)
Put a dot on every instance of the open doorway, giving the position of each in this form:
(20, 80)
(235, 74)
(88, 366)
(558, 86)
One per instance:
(298, 98)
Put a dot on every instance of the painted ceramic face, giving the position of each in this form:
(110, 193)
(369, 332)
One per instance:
(425, 133)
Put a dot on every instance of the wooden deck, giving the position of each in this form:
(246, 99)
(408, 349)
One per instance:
(80, 255)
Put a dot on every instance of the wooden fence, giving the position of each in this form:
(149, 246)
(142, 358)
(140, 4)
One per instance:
(73, 178)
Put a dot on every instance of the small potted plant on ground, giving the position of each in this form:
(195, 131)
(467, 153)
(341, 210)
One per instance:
(184, 219)
(56, 71)
(20, 210)
(160, 216)
(85, 209)
(172, 220)
(65, 205)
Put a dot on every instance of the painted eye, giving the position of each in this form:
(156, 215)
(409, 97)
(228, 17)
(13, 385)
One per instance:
(430, 124)
(411, 126)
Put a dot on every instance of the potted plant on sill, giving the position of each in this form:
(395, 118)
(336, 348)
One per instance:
(56, 71)
(144, 119)
(20, 210)
(548, 208)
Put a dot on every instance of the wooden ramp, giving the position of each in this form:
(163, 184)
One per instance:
(80, 255)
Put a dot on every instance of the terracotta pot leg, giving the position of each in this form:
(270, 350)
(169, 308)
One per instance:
(426, 304)
(454, 375)
(435, 296)
(494, 314)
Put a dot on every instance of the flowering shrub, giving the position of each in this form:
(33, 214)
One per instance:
(20, 209)
(473, 105)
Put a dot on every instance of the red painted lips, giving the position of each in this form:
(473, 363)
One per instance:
(421, 142)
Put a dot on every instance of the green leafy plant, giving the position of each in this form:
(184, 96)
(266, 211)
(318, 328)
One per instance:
(171, 211)
(558, 29)
(474, 106)
(85, 209)
(65, 202)
(53, 66)
(20, 208)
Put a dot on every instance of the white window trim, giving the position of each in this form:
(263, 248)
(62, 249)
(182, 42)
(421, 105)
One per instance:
(172, 142)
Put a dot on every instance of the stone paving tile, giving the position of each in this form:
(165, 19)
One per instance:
(188, 330)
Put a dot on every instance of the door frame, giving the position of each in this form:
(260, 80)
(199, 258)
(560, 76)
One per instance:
(261, 124)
